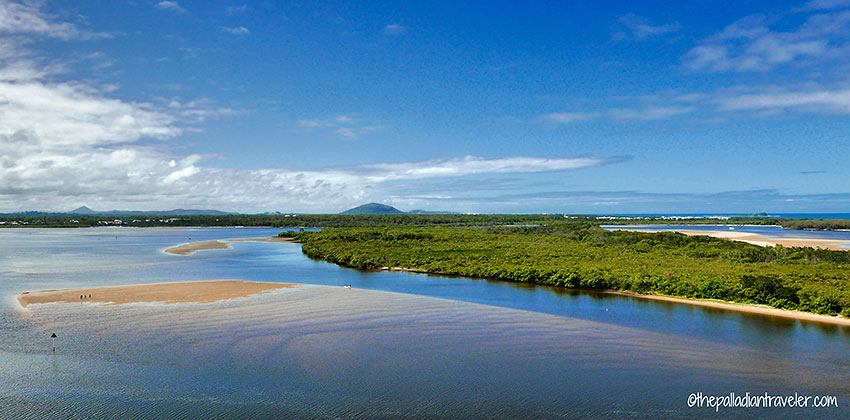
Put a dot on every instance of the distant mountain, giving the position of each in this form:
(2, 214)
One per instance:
(82, 210)
(373, 208)
(377, 208)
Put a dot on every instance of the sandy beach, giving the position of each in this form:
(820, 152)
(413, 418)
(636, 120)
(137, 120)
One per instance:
(179, 292)
(751, 238)
(743, 307)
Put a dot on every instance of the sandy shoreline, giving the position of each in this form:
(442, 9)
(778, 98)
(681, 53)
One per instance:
(751, 238)
(178, 292)
(266, 239)
(729, 306)
(192, 247)
(742, 307)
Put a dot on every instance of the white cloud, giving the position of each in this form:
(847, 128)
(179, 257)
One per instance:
(472, 165)
(650, 113)
(356, 132)
(750, 44)
(171, 6)
(642, 113)
(640, 28)
(16, 18)
(837, 101)
(566, 117)
(237, 30)
(342, 125)
(232, 10)
(825, 5)
(394, 29)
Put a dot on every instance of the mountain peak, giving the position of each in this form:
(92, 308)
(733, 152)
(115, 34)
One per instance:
(373, 208)
(82, 210)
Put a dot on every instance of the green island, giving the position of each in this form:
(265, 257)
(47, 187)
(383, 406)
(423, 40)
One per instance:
(580, 254)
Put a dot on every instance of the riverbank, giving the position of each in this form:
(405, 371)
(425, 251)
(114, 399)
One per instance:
(750, 238)
(178, 292)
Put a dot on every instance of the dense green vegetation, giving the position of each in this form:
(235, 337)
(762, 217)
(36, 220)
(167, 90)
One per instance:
(582, 255)
(816, 224)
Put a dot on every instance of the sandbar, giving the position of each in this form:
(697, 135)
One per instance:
(743, 307)
(751, 238)
(192, 247)
(178, 292)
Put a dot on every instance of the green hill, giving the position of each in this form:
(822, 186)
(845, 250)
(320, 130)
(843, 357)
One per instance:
(373, 208)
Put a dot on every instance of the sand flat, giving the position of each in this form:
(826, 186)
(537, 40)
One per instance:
(178, 292)
(751, 238)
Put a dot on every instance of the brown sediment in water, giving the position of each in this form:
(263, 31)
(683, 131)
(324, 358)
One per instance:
(752, 238)
(742, 307)
(178, 292)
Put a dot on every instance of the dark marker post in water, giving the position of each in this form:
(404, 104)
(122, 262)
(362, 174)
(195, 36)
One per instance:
(53, 341)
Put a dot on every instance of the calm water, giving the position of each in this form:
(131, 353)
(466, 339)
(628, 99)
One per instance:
(398, 345)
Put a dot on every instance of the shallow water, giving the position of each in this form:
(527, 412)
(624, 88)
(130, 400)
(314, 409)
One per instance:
(433, 347)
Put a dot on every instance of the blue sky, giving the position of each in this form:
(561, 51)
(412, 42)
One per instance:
(571, 107)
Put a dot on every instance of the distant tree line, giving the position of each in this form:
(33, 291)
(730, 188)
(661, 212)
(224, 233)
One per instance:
(32, 219)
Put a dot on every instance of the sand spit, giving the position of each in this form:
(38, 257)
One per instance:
(178, 292)
(752, 238)
(743, 307)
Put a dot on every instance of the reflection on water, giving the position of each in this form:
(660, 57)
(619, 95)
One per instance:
(318, 352)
